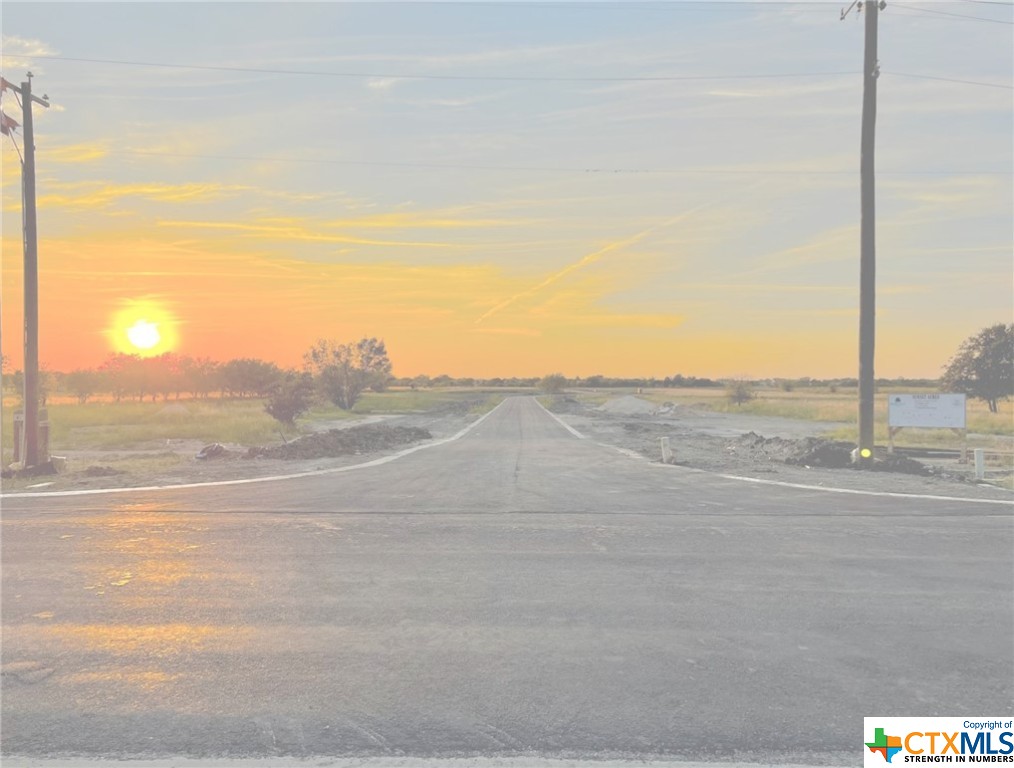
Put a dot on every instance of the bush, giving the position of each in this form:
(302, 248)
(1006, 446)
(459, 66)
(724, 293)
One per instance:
(553, 384)
(739, 391)
(290, 398)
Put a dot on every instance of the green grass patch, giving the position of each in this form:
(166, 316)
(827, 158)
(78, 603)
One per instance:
(422, 400)
(486, 405)
(132, 425)
(404, 400)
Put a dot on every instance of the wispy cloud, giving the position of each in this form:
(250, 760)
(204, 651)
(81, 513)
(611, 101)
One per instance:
(383, 83)
(971, 191)
(85, 152)
(507, 331)
(421, 220)
(105, 194)
(581, 263)
(296, 232)
(18, 53)
(831, 245)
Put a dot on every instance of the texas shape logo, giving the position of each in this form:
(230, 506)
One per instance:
(888, 746)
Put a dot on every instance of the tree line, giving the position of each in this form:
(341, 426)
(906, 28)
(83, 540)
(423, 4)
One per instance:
(338, 372)
(983, 367)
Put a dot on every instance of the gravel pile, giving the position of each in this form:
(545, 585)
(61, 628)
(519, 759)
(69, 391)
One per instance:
(819, 452)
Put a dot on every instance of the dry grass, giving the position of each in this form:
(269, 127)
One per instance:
(143, 465)
(485, 406)
(821, 404)
(133, 426)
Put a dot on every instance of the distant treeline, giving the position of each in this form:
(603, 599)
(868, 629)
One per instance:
(172, 376)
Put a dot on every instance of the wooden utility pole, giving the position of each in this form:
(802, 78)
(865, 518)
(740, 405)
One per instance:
(31, 278)
(868, 240)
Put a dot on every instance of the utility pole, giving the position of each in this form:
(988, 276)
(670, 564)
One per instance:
(868, 240)
(31, 278)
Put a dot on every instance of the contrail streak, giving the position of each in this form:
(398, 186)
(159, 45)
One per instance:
(591, 258)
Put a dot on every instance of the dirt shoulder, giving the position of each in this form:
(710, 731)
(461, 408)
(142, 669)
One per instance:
(760, 448)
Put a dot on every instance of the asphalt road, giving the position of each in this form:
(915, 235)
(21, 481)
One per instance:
(516, 591)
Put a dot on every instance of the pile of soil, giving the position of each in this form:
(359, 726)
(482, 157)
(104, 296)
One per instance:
(819, 452)
(341, 442)
(217, 451)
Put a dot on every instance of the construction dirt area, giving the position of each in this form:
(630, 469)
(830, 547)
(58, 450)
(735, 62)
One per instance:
(755, 448)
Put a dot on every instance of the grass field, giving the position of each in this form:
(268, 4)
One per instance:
(413, 400)
(132, 425)
(994, 430)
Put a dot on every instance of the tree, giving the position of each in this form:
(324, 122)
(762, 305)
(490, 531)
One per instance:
(199, 375)
(167, 374)
(245, 377)
(739, 391)
(343, 371)
(373, 359)
(82, 383)
(553, 383)
(983, 366)
(126, 374)
(290, 397)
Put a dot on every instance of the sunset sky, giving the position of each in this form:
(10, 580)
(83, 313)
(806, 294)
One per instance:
(512, 188)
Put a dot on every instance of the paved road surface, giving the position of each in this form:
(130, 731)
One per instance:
(518, 591)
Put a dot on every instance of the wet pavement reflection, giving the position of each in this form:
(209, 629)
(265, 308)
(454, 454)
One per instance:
(139, 601)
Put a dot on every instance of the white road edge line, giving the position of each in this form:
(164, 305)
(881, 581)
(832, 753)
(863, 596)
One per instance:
(250, 480)
(559, 421)
(1006, 502)
(625, 451)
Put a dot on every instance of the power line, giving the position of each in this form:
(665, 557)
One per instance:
(952, 80)
(954, 15)
(404, 76)
(517, 78)
(547, 169)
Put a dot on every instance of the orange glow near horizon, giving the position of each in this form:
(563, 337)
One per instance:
(219, 301)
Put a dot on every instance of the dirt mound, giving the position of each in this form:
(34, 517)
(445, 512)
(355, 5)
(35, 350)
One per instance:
(904, 464)
(815, 452)
(216, 451)
(628, 405)
(819, 452)
(341, 442)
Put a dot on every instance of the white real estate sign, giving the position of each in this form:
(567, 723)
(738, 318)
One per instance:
(933, 411)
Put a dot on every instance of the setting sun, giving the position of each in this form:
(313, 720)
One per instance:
(144, 335)
(143, 327)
